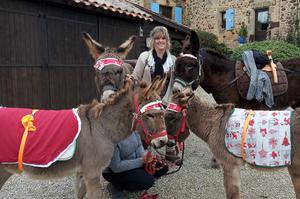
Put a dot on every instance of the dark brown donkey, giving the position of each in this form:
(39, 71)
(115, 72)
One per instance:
(103, 125)
(110, 69)
(208, 123)
(218, 72)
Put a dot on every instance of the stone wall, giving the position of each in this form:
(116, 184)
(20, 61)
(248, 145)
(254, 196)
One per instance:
(206, 15)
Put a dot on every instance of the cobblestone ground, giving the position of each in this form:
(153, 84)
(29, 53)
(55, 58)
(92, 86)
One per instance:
(195, 180)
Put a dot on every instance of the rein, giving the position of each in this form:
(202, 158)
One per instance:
(176, 108)
(164, 156)
(228, 84)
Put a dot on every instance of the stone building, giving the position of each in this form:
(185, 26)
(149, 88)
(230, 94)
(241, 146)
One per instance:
(263, 18)
(171, 9)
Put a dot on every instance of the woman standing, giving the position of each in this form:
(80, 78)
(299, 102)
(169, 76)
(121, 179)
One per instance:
(157, 61)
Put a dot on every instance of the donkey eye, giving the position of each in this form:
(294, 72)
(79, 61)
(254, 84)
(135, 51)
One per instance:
(150, 115)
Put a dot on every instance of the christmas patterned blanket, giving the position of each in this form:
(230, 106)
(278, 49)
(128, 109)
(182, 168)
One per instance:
(50, 134)
(262, 138)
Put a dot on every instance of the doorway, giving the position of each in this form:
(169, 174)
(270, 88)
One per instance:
(261, 24)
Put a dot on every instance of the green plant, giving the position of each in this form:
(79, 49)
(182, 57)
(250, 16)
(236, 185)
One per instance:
(176, 48)
(281, 50)
(209, 40)
(243, 32)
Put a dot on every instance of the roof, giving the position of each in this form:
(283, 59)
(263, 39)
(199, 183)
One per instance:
(118, 6)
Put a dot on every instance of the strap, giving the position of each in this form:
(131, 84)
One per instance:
(231, 82)
(246, 124)
(27, 122)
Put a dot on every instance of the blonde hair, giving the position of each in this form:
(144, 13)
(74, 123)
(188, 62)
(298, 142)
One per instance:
(159, 32)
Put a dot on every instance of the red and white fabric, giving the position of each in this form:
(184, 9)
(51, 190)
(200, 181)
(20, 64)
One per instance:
(268, 139)
(174, 107)
(101, 63)
(56, 132)
(156, 105)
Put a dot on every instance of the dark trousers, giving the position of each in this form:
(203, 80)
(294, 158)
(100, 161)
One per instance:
(133, 180)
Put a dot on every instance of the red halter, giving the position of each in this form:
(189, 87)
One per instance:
(101, 63)
(138, 112)
(176, 108)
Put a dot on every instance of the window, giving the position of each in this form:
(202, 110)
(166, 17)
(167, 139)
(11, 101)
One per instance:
(223, 19)
(166, 11)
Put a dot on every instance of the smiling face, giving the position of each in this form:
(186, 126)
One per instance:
(160, 39)
(160, 44)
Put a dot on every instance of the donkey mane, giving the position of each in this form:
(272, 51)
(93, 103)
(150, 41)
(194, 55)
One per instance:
(213, 52)
(95, 108)
(216, 60)
(291, 63)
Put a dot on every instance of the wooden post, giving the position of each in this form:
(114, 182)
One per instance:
(273, 66)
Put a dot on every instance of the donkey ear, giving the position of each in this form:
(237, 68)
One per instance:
(125, 48)
(95, 48)
(151, 87)
(161, 84)
(194, 42)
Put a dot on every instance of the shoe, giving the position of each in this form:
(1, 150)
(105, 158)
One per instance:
(116, 193)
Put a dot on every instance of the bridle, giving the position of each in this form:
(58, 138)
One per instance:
(176, 108)
(109, 59)
(184, 83)
(137, 119)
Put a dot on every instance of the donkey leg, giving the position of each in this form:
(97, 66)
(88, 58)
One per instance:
(80, 187)
(4, 175)
(232, 181)
(93, 187)
(294, 172)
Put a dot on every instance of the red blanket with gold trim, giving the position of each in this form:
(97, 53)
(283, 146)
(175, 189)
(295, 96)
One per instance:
(55, 131)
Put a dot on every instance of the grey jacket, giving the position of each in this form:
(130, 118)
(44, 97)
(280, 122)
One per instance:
(260, 86)
(145, 64)
(128, 155)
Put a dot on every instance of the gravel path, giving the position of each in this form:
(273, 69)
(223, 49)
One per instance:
(195, 180)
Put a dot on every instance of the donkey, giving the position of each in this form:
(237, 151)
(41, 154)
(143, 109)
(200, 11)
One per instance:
(208, 122)
(110, 69)
(102, 126)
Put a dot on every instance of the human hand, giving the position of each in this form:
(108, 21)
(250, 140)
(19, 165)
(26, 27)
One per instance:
(148, 157)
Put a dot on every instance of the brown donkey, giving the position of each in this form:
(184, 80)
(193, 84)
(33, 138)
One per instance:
(103, 125)
(208, 122)
(110, 73)
(110, 69)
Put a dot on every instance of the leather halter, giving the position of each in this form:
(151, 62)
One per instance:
(176, 108)
(199, 61)
(137, 120)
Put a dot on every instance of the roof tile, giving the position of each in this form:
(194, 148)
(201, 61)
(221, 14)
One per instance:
(120, 6)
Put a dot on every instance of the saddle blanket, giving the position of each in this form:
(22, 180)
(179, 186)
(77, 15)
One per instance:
(54, 138)
(267, 141)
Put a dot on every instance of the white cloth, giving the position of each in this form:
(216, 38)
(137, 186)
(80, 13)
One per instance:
(267, 142)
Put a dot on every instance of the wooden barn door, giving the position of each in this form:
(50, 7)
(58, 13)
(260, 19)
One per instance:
(23, 77)
(113, 31)
(71, 75)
